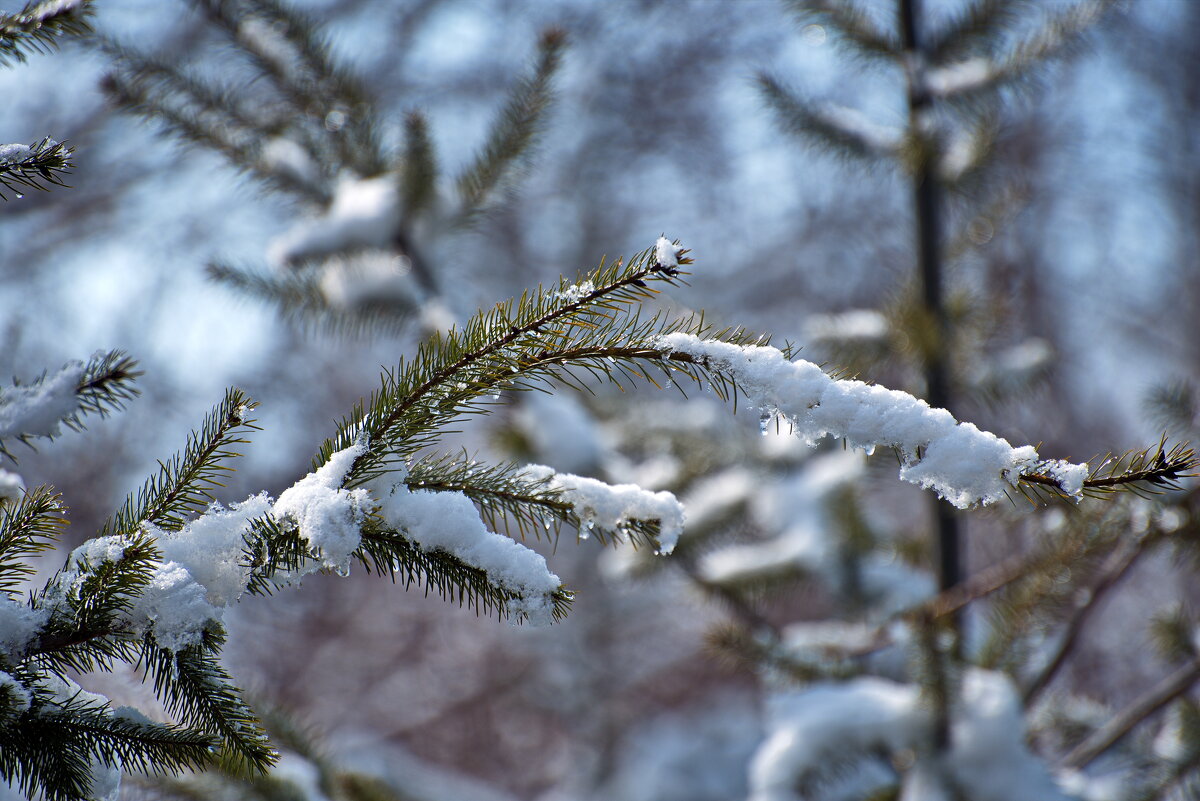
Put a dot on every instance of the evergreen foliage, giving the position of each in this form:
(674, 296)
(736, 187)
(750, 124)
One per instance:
(150, 588)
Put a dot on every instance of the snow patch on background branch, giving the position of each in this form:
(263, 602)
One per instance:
(959, 462)
(38, 409)
(814, 731)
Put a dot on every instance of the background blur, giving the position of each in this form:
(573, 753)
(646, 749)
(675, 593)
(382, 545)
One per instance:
(658, 128)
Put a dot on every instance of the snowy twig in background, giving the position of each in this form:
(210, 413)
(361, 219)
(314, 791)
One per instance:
(34, 166)
(103, 384)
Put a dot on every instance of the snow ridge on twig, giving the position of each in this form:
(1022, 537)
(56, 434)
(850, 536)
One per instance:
(957, 460)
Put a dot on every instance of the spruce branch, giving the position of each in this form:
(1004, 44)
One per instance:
(195, 689)
(40, 25)
(27, 528)
(839, 131)
(86, 600)
(37, 166)
(184, 483)
(515, 131)
(1150, 471)
(853, 24)
(508, 499)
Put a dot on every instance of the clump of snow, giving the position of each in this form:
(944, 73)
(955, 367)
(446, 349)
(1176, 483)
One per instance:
(1070, 477)
(449, 522)
(39, 409)
(174, 606)
(575, 292)
(11, 154)
(961, 77)
(329, 517)
(666, 252)
(372, 277)
(830, 724)
(962, 464)
(611, 505)
(363, 214)
(854, 123)
(19, 624)
(12, 487)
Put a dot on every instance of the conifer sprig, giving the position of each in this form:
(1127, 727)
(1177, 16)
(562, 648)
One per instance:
(544, 335)
(515, 503)
(27, 528)
(1150, 471)
(419, 176)
(195, 689)
(515, 130)
(38, 166)
(40, 25)
(184, 483)
(86, 600)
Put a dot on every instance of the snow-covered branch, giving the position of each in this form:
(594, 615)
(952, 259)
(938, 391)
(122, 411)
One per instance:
(961, 463)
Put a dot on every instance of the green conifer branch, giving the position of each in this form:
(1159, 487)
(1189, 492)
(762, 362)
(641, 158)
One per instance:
(299, 299)
(184, 483)
(38, 166)
(854, 26)
(508, 500)
(1150, 471)
(419, 176)
(544, 335)
(86, 600)
(27, 528)
(804, 119)
(40, 25)
(195, 689)
(515, 130)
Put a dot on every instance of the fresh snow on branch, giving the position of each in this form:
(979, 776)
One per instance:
(817, 730)
(612, 506)
(959, 462)
(449, 522)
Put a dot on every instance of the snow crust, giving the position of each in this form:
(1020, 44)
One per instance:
(449, 522)
(329, 517)
(12, 154)
(363, 214)
(610, 505)
(39, 409)
(666, 252)
(959, 462)
(832, 724)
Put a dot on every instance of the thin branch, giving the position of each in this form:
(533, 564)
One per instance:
(1168, 689)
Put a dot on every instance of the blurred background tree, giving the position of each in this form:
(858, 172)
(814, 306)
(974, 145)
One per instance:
(1079, 245)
